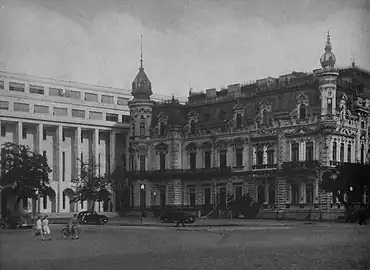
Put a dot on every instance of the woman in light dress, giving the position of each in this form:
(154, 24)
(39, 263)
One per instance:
(45, 227)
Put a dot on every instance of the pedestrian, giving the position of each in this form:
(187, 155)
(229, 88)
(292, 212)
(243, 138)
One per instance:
(362, 215)
(45, 227)
(38, 228)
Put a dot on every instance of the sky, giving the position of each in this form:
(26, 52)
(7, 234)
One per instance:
(186, 43)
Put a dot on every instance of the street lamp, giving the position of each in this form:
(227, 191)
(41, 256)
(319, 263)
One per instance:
(142, 186)
(350, 188)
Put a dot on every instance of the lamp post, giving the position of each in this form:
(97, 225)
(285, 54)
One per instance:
(142, 187)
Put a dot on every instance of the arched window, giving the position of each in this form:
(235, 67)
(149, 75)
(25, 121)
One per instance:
(334, 151)
(342, 152)
(302, 111)
(142, 129)
(261, 194)
(161, 128)
(295, 194)
(309, 193)
(349, 153)
(192, 126)
(238, 122)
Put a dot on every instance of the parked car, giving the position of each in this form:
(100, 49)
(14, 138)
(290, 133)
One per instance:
(177, 216)
(87, 217)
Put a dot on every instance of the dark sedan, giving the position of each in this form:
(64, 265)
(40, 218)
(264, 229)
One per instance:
(177, 217)
(87, 217)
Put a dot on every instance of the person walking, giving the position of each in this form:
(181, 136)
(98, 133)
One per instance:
(45, 227)
(38, 228)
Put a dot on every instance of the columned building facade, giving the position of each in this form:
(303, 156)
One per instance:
(66, 122)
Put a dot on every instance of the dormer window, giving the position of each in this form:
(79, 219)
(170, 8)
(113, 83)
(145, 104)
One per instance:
(302, 111)
(142, 129)
(161, 129)
(192, 126)
(238, 120)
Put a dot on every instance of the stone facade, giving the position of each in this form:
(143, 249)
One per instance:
(244, 139)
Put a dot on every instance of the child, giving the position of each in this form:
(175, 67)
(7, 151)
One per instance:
(45, 227)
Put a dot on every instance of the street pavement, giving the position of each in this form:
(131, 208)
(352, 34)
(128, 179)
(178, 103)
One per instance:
(257, 246)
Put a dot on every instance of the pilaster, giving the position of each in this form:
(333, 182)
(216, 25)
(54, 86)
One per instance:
(19, 132)
(60, 164)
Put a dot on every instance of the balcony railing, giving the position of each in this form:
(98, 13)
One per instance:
(309, 164)
(181, 173)
(264, 166)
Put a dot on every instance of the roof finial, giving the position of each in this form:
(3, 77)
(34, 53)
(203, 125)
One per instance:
(141, 52)
(353, 60)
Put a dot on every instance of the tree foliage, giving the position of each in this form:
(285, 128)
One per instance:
(245, 205)
(342, 179)
(90, 185)
(24, 171)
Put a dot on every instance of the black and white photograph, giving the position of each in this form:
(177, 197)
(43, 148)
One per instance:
(184, 134)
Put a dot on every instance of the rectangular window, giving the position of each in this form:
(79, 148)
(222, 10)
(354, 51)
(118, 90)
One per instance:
(21, 107)
(341, 153)
(24, 133)
(207, 159)
(1, 84)
(122, 101)
(239, 157)
(270, 156)
(74, 94)
(223, 158)
(44, 154)
(295, 151)
(41, 109)
(107, 99)
(260, 156)
(60, 111)
(238, 193)
(78, 113)
(63, 166)
(162, 161)
(82, 162)
(3, 130)
(111, 117)
(4, 105)
(207, 196)
(17, 87)
(35, 89)
(329, 106)
(91, 97)
(82, 136)
(96, 115)
(54, 92)
(44, 134)
(142, 162)
(132, 163)
(63, 136)
(193, 161)
(349, 154)
(309, 151)
(192, 197)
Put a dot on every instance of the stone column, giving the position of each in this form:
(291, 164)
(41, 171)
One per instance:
(112, 165)
(19, 132)
(40, 138)
(77, 146)
(96, 147)
(60, 163)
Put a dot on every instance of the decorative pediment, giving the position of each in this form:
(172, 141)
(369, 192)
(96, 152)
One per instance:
(161, 147)
(302, 98)
(300, 131)
(206, 146)
(264, 132)
(193, 114)
(221, 144)
(191, 147)
(238, 106)
(237, 142)
(346, 132)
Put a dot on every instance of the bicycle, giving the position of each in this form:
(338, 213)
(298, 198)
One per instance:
(66, 233)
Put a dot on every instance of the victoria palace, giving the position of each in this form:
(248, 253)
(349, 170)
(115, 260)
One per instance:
(272, 139)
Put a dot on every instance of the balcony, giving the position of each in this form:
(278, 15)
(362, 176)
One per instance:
(264, 166)
(180, 173)
(301, 165)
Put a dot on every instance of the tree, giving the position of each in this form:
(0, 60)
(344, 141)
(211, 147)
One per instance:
(24, 171)
(347, 182)
(245, 205)
(90, 185)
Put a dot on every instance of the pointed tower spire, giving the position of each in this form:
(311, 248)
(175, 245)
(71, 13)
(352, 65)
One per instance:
(353, 60)
(328, 43)
(328, 59)
(141, 52)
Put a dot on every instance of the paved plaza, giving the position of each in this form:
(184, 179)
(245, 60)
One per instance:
(256, 246)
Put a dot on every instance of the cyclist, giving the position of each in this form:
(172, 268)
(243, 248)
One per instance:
(73, 224)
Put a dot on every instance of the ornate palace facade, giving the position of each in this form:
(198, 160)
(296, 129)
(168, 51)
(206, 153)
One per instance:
(272, 139)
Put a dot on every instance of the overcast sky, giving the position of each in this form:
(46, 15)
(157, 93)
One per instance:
(201, 43)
